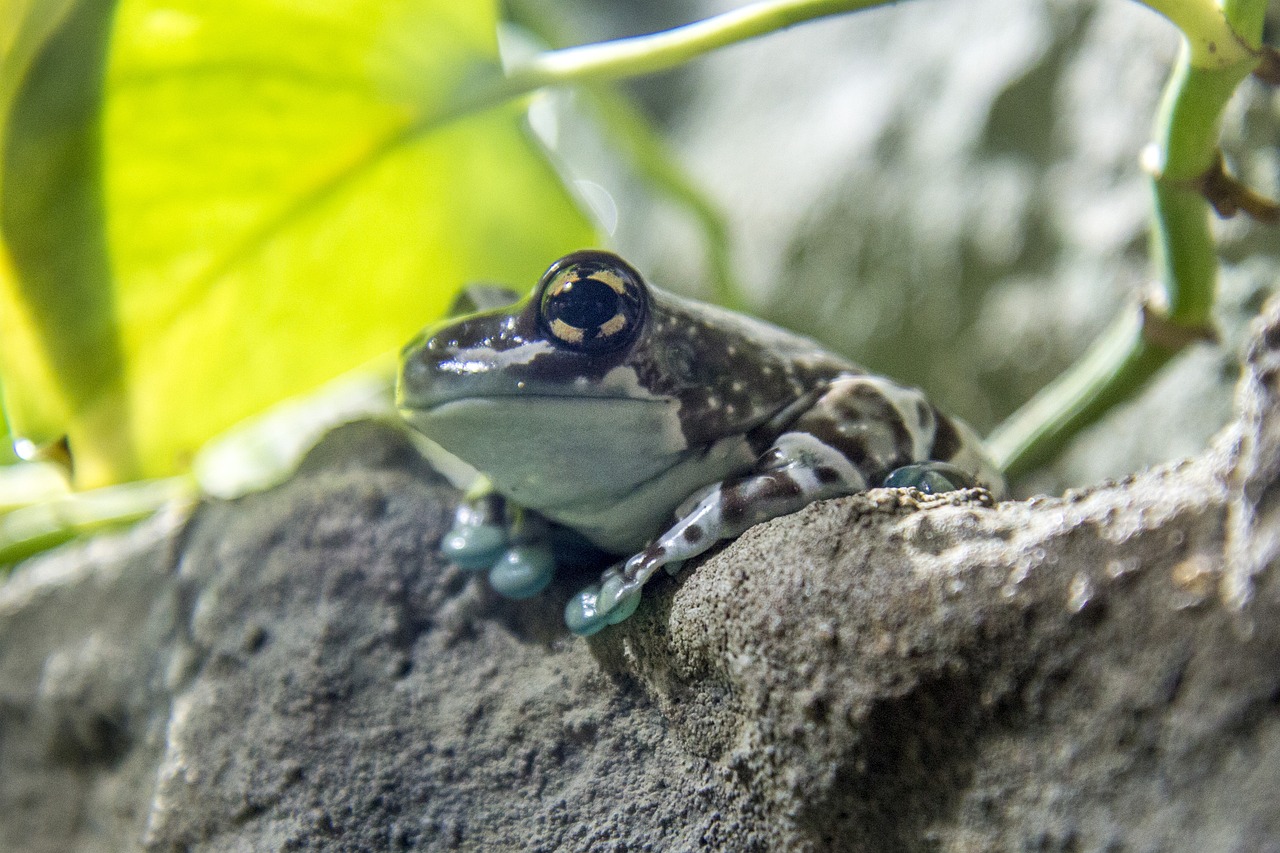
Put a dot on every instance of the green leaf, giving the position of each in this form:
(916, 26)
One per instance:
(209, 207)
(7, 454)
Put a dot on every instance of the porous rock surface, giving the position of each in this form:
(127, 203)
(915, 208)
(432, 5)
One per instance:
(296, 670)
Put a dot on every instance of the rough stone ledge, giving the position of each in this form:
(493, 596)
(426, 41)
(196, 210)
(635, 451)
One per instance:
(296, 670)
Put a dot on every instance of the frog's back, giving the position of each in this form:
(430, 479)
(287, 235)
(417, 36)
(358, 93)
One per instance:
(731, 373)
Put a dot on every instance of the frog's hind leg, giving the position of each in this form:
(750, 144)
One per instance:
(855, 434)
(895, 437)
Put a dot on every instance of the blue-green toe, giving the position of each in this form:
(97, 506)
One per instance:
(474, 547)
(581, 615)
(929, 477)
(522, 571)
(615, 600)
(622, 611)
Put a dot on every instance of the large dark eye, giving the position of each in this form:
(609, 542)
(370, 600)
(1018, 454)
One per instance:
(591, 302)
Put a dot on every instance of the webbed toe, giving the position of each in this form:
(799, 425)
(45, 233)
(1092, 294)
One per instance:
(522, 571)
(474, 546)
(581, 614)
(929, 477)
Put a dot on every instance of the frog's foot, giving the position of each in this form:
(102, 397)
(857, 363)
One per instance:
(512, 547)
(601, 605)
(930, 477)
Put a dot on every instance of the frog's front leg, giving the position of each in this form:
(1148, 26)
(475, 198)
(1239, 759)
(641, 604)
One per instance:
(721, 511)
(861, 429)
(510, 543)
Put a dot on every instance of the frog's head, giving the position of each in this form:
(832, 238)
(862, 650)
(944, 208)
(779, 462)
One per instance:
(581, 320)
(543, 396)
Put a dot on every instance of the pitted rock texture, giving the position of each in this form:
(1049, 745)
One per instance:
(296, 670)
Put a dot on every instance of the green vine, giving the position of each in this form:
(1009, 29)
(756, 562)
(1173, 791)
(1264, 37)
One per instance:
(1220, 49)
(632, 57)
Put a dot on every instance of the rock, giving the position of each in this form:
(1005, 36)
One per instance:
(86, 637)
(297, 670)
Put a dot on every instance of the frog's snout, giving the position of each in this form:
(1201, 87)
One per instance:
(418, 380)
(414, 373)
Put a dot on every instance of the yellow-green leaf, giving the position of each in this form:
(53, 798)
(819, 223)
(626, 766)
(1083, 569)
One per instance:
(208, 207)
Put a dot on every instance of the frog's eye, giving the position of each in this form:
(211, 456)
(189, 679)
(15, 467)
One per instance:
(591, 302)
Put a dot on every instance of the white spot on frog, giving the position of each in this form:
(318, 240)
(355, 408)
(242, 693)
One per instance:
(481, 359)
(624, 382)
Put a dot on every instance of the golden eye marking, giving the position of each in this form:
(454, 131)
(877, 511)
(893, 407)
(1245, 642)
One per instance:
(565, 332)
(613, 325)
(615, 282)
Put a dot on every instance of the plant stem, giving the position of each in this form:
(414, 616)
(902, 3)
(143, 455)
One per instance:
(1212, 42)
(40, 526)
(1120, 361)
(627, 57)
(1184, 153)
(648, 152)
(651, 156)
(660, 51)
(1186, 149)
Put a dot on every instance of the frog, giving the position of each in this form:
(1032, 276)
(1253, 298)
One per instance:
(651, 427)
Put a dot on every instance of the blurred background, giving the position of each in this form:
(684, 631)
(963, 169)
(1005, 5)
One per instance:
(947, 192)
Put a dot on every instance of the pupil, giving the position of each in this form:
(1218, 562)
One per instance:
(584, 304)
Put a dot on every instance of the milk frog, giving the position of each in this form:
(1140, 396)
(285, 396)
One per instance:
(653, 426)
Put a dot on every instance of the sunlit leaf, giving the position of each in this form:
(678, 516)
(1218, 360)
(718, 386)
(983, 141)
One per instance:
(209, 207)
(57, 518)
(7, 454)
